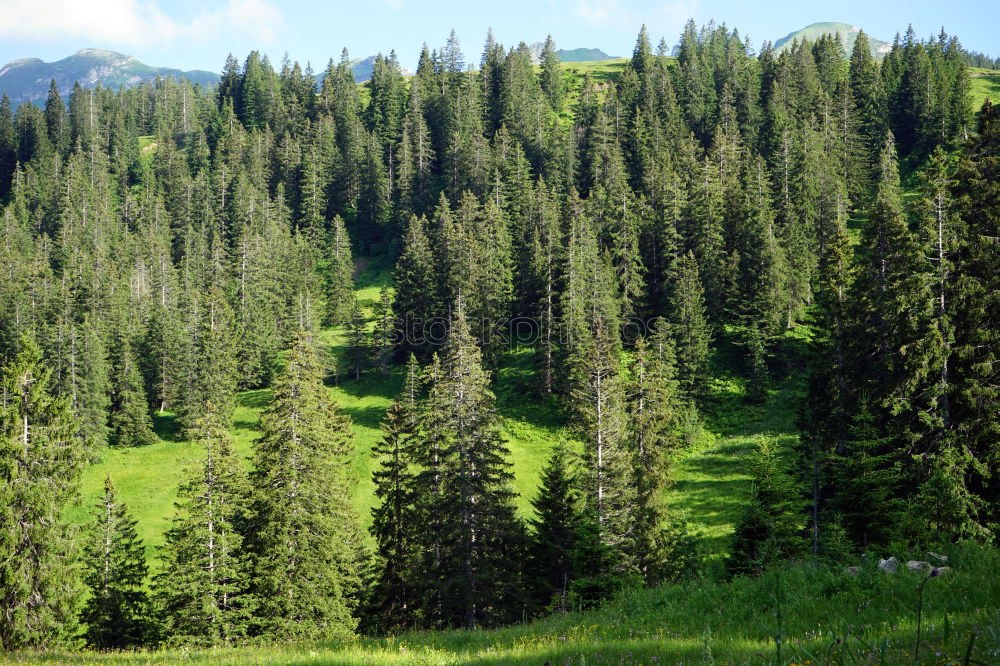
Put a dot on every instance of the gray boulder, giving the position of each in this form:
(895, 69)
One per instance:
(890, 565)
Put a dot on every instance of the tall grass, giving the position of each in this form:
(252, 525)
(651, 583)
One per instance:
(815, 613)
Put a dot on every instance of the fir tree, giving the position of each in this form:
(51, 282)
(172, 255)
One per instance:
(383, 335)
(869, 97)
(605, 477)
(116, 614)
(415, 304)
(769, 529)
(690, 329)
(357, 355)
(303, 539)
(479, 535)
(129, 417)
(201, 593)
(40, 461)
(340, 285)
(551, 75)
(654, 412)
(553, 539)
(211, 377)
(976, 309)
(867, 478)
(392, 601)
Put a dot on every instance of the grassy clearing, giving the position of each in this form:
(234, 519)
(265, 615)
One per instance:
(711, 480)
(983, 83)
(826, 617)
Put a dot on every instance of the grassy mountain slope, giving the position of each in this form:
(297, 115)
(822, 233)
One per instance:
(848, 35)
(28, 79)
(984, 83)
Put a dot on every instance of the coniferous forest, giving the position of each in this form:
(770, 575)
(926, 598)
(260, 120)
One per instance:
(621, 240)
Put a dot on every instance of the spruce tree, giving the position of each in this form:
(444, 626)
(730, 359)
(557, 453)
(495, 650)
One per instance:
(392, 601)
(868, 477)
(40, 461)
(554, 535)
(130, 422)
(976, 310)
(211, 375)
(654, 411)
(340, 281)
(769, 530)
(383, 335)
(690, 329)
(117, 613)
(869, 97)
(303, 539)
(416, 303)
(897, 348)
(605, 478)
(551, 75)
(357, 355)
(479, 536)
(201, 593)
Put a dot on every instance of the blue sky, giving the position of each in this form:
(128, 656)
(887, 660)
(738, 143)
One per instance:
(198, 35)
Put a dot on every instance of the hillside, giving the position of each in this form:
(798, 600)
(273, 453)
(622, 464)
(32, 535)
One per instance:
(848, 35)
(28, 79)
(712, 480)
(664, 388)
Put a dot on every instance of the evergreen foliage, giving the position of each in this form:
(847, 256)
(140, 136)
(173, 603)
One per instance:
(129, 410)
(117, 613)
(40, 461)
(475, 555)
(302, 539)
(708, 202)
(201, 593)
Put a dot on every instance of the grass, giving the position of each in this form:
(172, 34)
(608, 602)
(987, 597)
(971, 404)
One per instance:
(983, 83)
(827, 617)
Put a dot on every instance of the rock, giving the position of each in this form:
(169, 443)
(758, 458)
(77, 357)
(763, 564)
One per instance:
(942, 570)
(918, 566)
(890, 565)
(939, 558)
(854, 571)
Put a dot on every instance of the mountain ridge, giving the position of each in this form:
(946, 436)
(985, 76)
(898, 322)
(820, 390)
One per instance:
(848, 35)
(28, 79)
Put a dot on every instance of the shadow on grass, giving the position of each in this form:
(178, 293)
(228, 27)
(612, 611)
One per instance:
(256, 399)
(372, 271)
(370, 417)
(244, 424)
(373, 383)
(515, 384)
(713, 503)
(166, 427)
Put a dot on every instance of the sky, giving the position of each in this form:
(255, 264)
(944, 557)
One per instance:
(193, 34)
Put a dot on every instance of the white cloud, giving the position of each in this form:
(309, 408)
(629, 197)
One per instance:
(131, 22)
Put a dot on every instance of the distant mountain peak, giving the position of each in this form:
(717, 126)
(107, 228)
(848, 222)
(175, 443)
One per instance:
(848, 35)
(100, 53)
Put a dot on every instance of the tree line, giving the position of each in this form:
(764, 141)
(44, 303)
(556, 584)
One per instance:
(166, 246)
